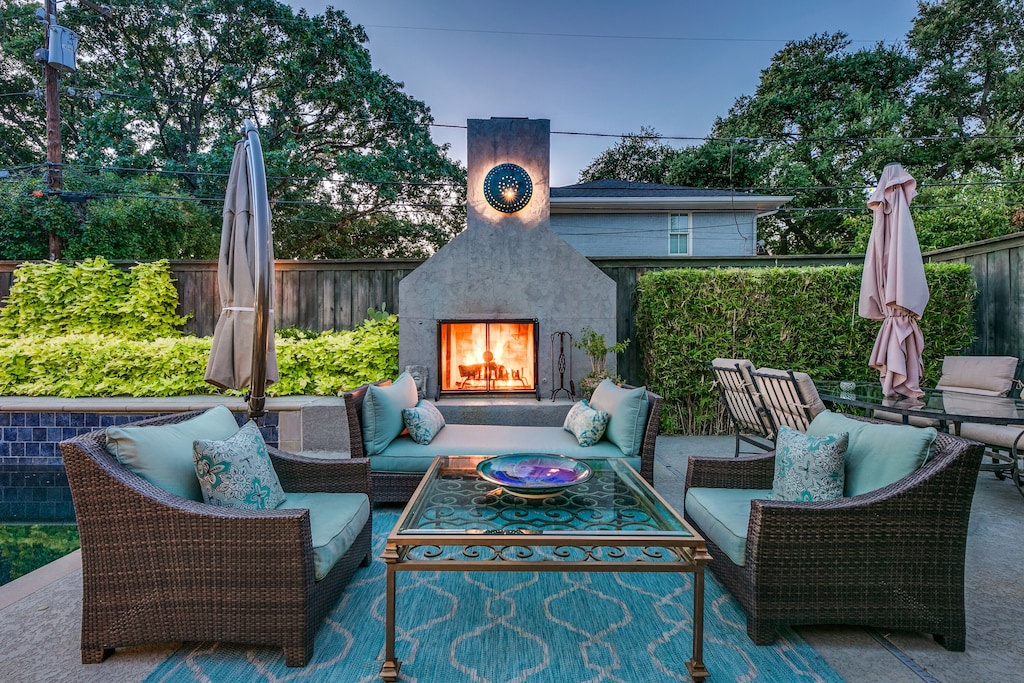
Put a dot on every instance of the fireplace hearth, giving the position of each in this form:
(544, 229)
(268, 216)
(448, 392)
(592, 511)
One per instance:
(487, 356)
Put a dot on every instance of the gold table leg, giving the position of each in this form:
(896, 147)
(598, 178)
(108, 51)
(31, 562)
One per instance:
(391, 666)
(698, 672)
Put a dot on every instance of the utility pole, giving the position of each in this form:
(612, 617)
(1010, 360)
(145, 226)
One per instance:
(54, 159)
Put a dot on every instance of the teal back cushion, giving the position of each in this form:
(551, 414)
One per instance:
(162, 455)
(382, 412)
(627, 411)
(877, 454)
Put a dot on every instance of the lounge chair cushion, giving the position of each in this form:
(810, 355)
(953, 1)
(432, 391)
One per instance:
(382, 412)
(423, 421)
(335, 520)
(627, 414)
(723, 516)
(809, 468)
(236, 472)
(586, 424)
(162, 454)
(877, 454)
(984, 375)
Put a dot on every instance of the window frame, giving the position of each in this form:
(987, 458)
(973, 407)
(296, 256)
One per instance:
(675, 233)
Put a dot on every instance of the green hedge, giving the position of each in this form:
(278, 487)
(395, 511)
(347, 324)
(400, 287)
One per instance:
(52, 299)
(26, 548)
(790, 318)
(102, 365)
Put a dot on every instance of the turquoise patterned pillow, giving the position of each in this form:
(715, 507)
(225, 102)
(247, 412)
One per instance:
(423, 421)
(809, 468)
(586, 424)
(237, 472)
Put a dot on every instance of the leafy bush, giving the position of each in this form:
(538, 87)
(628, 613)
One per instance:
(91, 297)
(797, 318)
(26, 548)
(111, 366)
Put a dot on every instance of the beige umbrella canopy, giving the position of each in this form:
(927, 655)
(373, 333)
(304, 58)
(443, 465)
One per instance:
(243, 353)
(893, 287)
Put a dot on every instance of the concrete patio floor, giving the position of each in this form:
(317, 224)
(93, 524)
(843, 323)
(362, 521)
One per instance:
(40, 613)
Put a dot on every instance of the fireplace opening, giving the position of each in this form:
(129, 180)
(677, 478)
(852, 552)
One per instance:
(487, 356)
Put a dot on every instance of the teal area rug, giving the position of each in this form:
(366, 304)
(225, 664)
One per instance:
(511, 627)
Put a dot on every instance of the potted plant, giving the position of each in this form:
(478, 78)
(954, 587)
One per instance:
(595, 347)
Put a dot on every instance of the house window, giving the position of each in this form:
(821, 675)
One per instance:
(679, 234)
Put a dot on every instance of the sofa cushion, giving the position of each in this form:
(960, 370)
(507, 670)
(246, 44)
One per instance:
(236, 472)
(627, 414)
(585, 423)
(382, 412)
(335, 520)
(406, 456)
(723, 516)
(809, 468)
(984, 375)
(423, 421)
(162, 454)
(877, 454)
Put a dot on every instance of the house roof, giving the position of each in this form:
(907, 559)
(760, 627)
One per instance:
(618, 196)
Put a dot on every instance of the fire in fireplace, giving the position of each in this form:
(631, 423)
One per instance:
(487, 356)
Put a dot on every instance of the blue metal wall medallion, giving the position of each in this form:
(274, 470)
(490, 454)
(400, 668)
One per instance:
(508, 188)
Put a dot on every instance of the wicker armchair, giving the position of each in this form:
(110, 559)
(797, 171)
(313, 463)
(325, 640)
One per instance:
(160, 568)
(891, 558)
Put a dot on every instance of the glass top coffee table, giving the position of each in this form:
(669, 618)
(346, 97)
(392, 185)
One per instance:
(614, 521)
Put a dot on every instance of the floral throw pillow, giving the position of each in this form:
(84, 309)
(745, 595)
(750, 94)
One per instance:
(809, 468)
(586, 424)
(237, 471)
(423, 421)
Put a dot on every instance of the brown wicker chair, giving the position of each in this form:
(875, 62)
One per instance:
(892, 558)
(160, 568)
(396, 487)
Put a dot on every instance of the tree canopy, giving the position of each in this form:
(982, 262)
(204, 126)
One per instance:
(948, 104)
(164, 85)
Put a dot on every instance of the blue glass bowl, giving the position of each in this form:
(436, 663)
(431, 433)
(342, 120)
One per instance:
(534, 474)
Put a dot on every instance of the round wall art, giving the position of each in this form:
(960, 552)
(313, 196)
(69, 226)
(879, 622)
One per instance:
(508, 188)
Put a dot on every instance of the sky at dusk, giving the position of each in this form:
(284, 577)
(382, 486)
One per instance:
(596, 66)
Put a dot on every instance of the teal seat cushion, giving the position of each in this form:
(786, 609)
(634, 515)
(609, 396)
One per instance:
(335, 520)
(382, 412)
(406, 456)
(723, 516)
(877, 454)
(162, 454)
(627, 414)
(236, 472)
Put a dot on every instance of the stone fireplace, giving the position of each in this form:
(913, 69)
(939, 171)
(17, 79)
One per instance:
(481, 313)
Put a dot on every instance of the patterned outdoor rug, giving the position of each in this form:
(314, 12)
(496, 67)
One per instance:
(510, 627)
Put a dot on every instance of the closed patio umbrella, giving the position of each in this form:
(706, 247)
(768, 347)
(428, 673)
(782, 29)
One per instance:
(893, 287)
(243, 354)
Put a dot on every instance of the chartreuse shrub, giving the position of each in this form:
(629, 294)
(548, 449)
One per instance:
(100, 365)
(53, 299)
(789, 318)
(26, 548)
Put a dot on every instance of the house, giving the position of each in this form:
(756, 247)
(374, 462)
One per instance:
(627, 219)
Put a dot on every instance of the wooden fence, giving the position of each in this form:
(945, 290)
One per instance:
(329, 294)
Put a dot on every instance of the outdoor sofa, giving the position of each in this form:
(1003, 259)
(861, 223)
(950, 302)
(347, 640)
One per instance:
(397, 464)
(160, 566)
(888, 553)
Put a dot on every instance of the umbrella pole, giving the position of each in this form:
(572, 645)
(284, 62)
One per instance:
(263, 268)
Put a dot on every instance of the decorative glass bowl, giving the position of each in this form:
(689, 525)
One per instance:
(534, 475)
